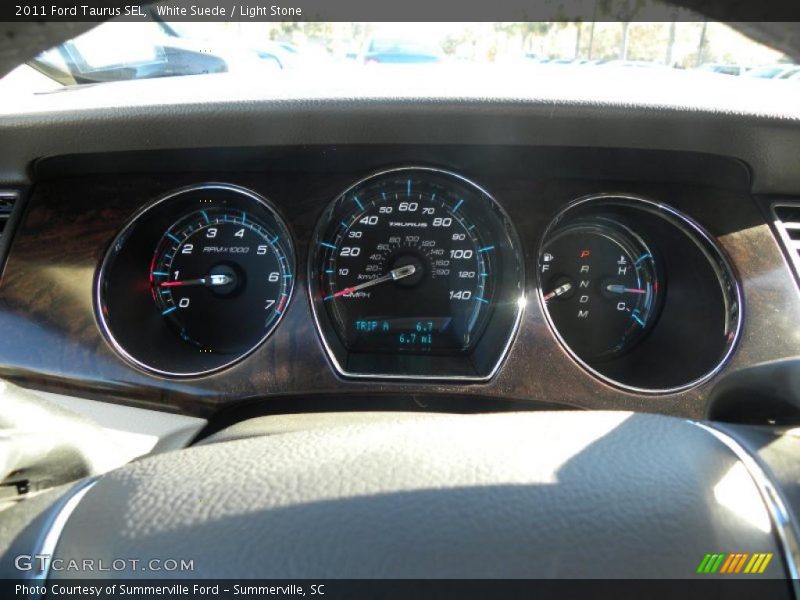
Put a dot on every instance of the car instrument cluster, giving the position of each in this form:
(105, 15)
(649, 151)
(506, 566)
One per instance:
(638, 293)
(419, 273)
(197, 280)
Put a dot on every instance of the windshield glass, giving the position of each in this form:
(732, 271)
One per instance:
(116, 51)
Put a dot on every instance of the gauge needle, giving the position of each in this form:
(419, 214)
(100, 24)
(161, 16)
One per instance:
(615, 288)
(559, 291)
(393, 275)
(211, 280)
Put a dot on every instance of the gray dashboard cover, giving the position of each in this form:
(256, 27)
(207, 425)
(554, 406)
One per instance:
(521, 495)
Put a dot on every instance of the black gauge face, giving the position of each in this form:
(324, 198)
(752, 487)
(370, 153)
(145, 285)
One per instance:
(414, 262)
(196, 281)
(407, 272)
(600, 287)
(221, 279)
(638, 293)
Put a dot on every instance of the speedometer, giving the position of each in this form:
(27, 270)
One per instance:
(420, 281)
(418, 273)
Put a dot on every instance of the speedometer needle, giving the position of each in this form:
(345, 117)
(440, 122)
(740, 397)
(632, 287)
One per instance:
(211, 280)
(393, 275)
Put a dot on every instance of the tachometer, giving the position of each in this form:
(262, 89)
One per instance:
(221, 278)
(415, 268)
(197, 280)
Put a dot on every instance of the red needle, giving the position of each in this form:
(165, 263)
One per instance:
(393, 275)
(559, 291)
(618, 288)
(343, 292)
(210, 280)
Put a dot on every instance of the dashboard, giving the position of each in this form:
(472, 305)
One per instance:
(461, 277)
(407, 301)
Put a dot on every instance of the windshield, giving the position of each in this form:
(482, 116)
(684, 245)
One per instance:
(116, 51)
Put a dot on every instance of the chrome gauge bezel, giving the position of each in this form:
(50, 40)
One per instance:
(119, 241)
(338, 359)
(716, 256)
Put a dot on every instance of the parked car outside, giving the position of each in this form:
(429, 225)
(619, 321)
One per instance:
(723, 69)
(380, 50)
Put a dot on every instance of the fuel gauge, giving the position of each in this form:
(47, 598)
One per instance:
(600, 287)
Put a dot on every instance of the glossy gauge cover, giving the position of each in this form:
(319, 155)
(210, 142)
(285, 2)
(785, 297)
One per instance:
(196, 281)
(416, 273)
(639, 294)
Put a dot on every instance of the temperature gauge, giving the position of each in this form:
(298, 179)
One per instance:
(600, 287)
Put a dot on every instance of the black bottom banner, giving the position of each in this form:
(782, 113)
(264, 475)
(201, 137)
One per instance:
(390, 589)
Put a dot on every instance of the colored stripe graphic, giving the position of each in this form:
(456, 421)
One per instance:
(703, 563)
(727, 564)
(717, 563)
(754, 561)
(740, 564)
(730, 564)
(734, 563)
(710, 563)
(767, 558)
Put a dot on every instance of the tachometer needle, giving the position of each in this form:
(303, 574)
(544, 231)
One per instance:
(559, 291)
(211, 280)
(393, 275)
(615, 288)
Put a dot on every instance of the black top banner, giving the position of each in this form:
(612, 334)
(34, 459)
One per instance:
(405, 10)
